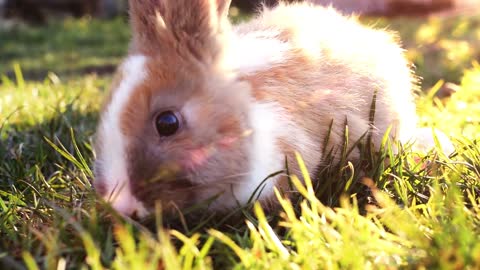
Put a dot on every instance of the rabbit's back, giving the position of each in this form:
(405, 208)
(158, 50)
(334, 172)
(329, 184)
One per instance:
(322, 69)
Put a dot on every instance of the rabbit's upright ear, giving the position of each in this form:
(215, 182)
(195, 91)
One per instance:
(146, 19)
(195, 25)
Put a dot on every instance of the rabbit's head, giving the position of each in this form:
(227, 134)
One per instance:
(175, 126)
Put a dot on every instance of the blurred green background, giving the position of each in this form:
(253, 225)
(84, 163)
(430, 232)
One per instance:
(91, 37)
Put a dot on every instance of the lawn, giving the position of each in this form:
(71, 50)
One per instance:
(418, 211)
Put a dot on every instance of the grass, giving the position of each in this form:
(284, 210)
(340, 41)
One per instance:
(418, 211)
(68, 48)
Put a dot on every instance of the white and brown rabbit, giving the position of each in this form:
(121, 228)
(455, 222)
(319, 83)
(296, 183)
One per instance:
(201, 108)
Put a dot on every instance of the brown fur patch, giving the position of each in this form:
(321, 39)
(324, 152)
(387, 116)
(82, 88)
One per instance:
(306, 91)
(137, 109)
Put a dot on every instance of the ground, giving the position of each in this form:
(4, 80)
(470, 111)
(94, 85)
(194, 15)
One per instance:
(416, 211)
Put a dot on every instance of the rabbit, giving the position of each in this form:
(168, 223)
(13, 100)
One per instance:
(203, 109)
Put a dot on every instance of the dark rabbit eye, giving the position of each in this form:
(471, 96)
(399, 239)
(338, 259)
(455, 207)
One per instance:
(167, 123)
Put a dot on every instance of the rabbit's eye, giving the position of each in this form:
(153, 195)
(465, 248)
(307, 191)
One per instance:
(167, 123)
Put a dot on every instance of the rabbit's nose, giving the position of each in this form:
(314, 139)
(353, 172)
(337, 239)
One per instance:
(135, 215)
(130, 206)
(121, 198)
(100, 187)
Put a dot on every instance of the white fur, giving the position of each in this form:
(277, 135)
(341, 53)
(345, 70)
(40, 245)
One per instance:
(255, 51)
(265, 157)
(269, 123)
(112, 155)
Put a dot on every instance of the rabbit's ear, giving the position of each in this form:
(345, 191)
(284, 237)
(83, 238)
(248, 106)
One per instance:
(147, 22)
(195, 25)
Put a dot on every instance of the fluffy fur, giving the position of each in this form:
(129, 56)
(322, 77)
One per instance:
(248, 97)
(113, 143)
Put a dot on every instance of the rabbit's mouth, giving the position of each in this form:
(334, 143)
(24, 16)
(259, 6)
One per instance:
(176, 193)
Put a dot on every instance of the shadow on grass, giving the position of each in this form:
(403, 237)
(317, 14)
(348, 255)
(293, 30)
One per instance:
(40, 188)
